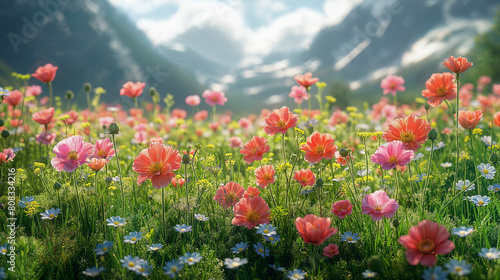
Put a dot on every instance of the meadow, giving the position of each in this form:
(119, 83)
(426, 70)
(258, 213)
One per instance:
(386, 191)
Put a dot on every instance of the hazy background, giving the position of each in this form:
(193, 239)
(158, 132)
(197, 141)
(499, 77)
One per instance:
(249, 49)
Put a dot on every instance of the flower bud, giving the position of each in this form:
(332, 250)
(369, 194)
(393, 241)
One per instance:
(395, 223)
(343, 152)
(197, 146)
(57, 186)
(69, 95)
(494, 158)
(186, 159)
(427, 106)
(319, 182)
(152, 91)
(5, 133)
(87, 87)
(2, 123)
(433, 135)
(113, 128)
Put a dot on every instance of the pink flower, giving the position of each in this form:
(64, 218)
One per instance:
(104, 149)
(305, 177)
(213, 97)
(378, 205)
(306, 80)
(244, 123)
(46, 138)
(299, 94)
(106, 121)
(392, 84)
(45, 73)
(342, 208)
(314, 230)
(279, 121)
(229, 195)
(34, 90)
(496, 89)
(193, 100)
(425, 241)
(71, 153)
(235, 142)
(44, 117)
(6, 156)
(131, 89)
(201, 115)
(264, 175)
(331, 250)
(392, 155)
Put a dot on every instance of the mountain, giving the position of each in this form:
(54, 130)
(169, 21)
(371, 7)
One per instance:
(377, 38)
(90, 41)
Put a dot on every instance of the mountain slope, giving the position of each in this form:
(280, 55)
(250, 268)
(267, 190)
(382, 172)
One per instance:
(90, 42)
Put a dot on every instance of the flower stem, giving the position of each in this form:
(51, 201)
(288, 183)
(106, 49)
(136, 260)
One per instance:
(456, 130)
(427, 180)
(119, 174)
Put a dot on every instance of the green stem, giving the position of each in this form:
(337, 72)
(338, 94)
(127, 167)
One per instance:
(187, 192)
(427, 180)
(456, 128)
(119, 174)
(49, 85)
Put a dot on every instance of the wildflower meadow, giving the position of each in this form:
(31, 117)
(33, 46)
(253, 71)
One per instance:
(386, 191)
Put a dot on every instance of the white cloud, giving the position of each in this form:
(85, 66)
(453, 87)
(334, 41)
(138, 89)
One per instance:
(337, 10)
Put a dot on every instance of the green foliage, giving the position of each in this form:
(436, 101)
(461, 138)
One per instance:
(486, 52)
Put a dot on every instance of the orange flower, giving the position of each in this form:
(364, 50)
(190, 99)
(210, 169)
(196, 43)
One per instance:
(306, 80)
(412, 131)
(439, 87)
(46, 73)
(496, 118)
(44, 116)
(15, 98)
(457, 65)
(469, 119)
(314, 230)
(319, 146)
(254, 149)
(132, 90)
(157, 163)
(279, 121)
(250, 212)
(178, 182)
(265, 175)
(251, 192)
(229, 195)
(97, 164)
(305, 177)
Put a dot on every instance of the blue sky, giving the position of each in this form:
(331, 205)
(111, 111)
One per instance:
(235, 33)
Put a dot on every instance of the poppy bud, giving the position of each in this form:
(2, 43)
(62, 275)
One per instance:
(57, 186)
(152, 91)
(427, 106)
(395, 223)
(113, 128)
(343, 152)
(433, 135)
(319, 182)
(69, 95)
(5, 133)
(2, 123)
(87, 87)
(186, 159)
(197, 146)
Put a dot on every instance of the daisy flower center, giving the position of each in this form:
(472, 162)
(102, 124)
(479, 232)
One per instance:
(480, 202)
(296, 276)
(240, 250)
(131, 264)
(458, 269)
(174, 269)
(156, 167)
(104, 249)
(266, 231)
(425, 246)
(260, 250)
(271, 239)
(51, 215)
(141, 269)
(116, 223)
(253, 217)
(73, 155)
(133, 239)
(485, 171)
(407, 136)
(349, 239)
(489, 255)
(462, 232)
(235, 264)
(190, 260)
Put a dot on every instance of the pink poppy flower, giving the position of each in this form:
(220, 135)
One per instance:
(279, 121)
(342, 208)
(305, 177)
(235, 142)
(15, 98)
(299, 94)
(331, 250)
(264, 175)
(213, 97)
(44, 117)
(132, 90)
(46, 138)
(251, 192)
(254, 149)
(46, 73)
(34, 90)
(392, 155)
(104, 149)
(250, 212)
(71, 153)
(392, 84)
(425, 241)
(314, 230)
(193, 100)
(157, 163)
(201, 115)
(378, 205)
(306, 80)
(229, 195)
